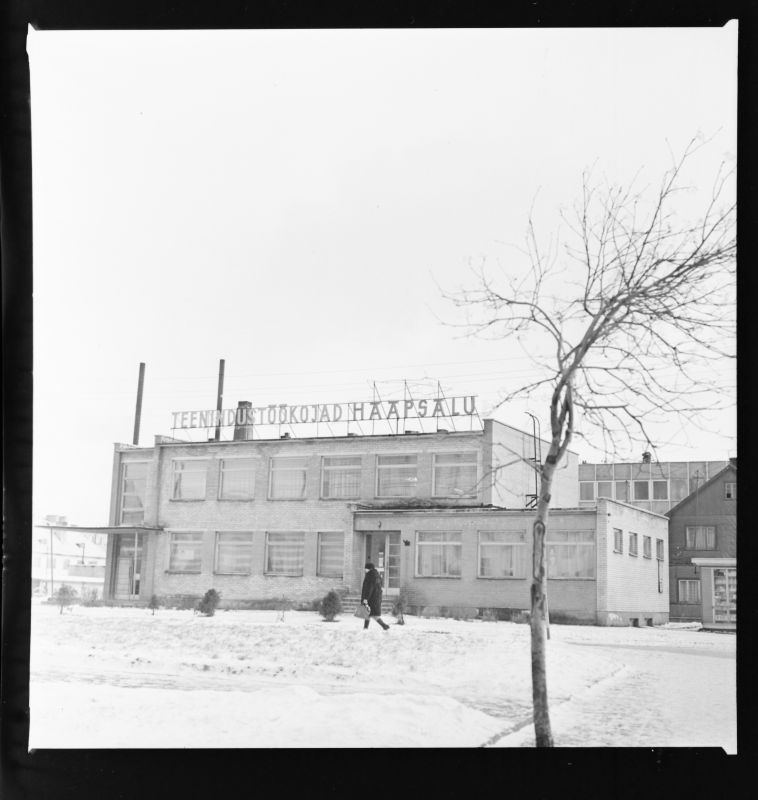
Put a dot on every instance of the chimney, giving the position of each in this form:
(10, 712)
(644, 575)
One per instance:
(241, 430)
(646, 457)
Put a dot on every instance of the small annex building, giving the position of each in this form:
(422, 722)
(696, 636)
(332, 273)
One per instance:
(445, 515)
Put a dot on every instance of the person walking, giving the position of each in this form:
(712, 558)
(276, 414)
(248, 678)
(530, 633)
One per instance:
(371, 596)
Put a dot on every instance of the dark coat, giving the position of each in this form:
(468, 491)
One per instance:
(372, 591)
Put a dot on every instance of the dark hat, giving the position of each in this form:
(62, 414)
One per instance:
(368, 565)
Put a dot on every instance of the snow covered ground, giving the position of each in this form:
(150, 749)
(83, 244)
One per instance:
(121, 677)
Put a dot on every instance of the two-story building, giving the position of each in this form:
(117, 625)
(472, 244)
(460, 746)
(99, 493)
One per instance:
(443, 514)
(703, 547)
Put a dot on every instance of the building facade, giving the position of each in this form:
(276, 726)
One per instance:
(654, 486)
(64, 555)
(703, 544)
(444, 516)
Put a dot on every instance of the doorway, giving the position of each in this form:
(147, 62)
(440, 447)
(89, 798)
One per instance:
(127, 560)
(383, 551)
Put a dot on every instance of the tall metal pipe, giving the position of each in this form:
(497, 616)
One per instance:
(138, 410)
(220, 397)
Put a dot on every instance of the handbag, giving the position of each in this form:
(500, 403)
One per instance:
(362, 612)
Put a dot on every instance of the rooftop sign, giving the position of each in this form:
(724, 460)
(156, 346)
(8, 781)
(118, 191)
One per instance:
(365, 411)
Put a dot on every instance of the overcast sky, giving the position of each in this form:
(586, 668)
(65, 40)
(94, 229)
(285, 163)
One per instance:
(290, 201)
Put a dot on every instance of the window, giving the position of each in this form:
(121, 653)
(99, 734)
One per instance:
(502, 554)
(234, 553)
(689, 591)
(632, 544)
(605, 489)
(186, 552)
(622, 491)
(331, 554)
(730, 491)
(438, 554)
(618, 540)
(647, 547)
(660, 490)
(396, 476)
(284, 553)
(237, 479)
(454, 475)
(586, 490)
(287, 478)
(659, 549)
(133, 481)
(700, 537)
(678, 489)
(189, 480)
(341, 477)
(641, 490)
(571, 554)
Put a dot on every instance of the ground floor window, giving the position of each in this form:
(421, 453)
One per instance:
(284, 553)
(570, 554)
(186, 552)
(689, 591)
(331, 548)
(234, 553)
(438, 554)
(502, 554)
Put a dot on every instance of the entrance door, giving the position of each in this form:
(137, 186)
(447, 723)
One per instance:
(725, 595)
(383, 551)
(127, 564)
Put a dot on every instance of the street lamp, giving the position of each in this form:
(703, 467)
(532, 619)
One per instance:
(82, 545)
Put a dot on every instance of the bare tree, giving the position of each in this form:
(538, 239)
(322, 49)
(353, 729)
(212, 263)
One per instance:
(627, 344)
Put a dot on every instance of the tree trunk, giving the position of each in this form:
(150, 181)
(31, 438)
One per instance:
(542, 732)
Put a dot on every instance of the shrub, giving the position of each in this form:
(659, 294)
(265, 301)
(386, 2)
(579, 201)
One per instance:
(65, 596)
(91, 599)
(207, 606)
(400, 606)
(154, 603)
(330, 606)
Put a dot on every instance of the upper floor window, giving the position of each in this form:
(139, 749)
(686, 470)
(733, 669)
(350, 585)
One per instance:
(618, 540)
(605, 489)
(454, 475)
(641, 490)
(234, 553)
(284, 553)
(185, 552)
(331, 554)
(700, 537)
(632, 544)
(730, 491)
(237, 479)
(660, 490)
(586, 490)
(396, 476)
(189, 479)
(502, 554)
(438, 554)
(659, 549)
(133, 481)
(570, 554)
(287, 478)
(341, 477)
(647, 547)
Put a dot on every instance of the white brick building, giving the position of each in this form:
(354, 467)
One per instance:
(444, 515)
